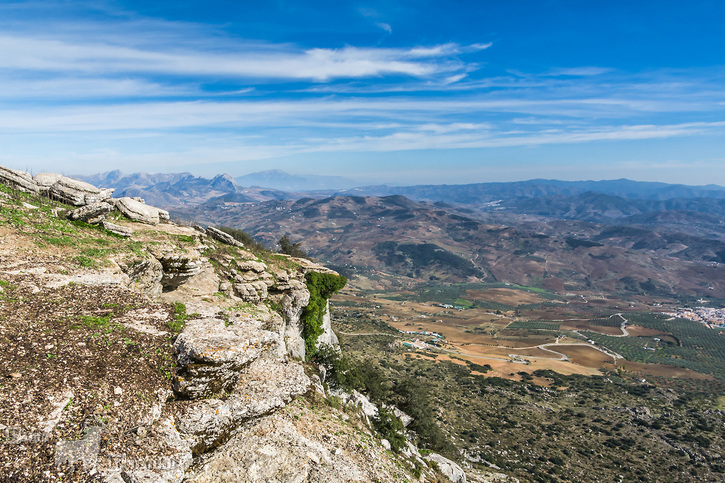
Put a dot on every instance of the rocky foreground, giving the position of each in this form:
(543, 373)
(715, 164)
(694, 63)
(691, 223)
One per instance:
(137, 350)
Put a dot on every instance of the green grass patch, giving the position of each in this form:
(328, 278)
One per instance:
(94, 322)
(86, 262)
(178, 323)
(463, 303)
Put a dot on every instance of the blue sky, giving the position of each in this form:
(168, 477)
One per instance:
(398, 92)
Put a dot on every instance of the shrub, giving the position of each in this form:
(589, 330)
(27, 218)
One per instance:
(389, 427)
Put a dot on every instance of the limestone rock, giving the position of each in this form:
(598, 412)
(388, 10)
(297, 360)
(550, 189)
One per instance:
(179, 267)
(263, 386)
(272, 449)
(292, 302)
(404, 418)
(19, 180)
(368, 409)
(210, 355)
(137, 211)
(145, 274)
(219, 235)
(450, 469)
(328, 337)
(46, 180)
(117, 229)
(252, 292)
(93, 213)
(251, 266)
(78, 193)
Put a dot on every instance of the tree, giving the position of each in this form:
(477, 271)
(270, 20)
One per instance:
(289, 248)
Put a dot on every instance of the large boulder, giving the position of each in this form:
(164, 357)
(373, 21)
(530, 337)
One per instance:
(137, 211)
(144, 274)
(263, 386)
(93, 213)
(211, 355)
(450, 469)
(19, 180)
(78, 193)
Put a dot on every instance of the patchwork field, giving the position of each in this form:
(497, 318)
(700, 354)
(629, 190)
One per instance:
(519, 330)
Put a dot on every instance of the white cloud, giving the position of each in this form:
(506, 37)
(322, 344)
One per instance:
(385, 26)
(246, 60)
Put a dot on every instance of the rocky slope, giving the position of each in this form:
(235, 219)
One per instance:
(134, 349)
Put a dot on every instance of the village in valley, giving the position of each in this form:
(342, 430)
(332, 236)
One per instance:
(711, 317)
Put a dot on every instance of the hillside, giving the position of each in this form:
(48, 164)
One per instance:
(416, 241)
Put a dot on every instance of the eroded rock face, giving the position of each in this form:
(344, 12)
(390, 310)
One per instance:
(20, 180)
(145, 275)
(263, 386)
(252, 292)
(211, 355)
(93, 213)
(450, 469)
(169, 468)
(78, 193)
(137, 211)
(328, 337)
(293, 302)
(179, 267)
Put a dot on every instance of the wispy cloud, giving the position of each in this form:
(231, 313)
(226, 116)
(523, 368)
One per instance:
(249, 61)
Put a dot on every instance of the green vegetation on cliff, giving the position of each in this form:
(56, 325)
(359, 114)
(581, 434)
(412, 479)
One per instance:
(321, 286)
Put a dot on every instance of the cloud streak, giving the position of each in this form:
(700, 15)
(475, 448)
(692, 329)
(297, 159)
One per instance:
(246, 61)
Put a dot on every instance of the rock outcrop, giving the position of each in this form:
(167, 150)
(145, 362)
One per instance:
(262, 386)
(93, 213)
(211, 355)
(78, 193)
(138, 211)
(46, 180)
(450, 469)
(19, 180)
(230, 369)
(117, 229)
(219, 235)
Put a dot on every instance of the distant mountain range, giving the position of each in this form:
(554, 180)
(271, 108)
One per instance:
(618, 236)
(481, 193)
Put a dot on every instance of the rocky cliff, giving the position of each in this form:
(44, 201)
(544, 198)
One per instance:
(134, 349)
